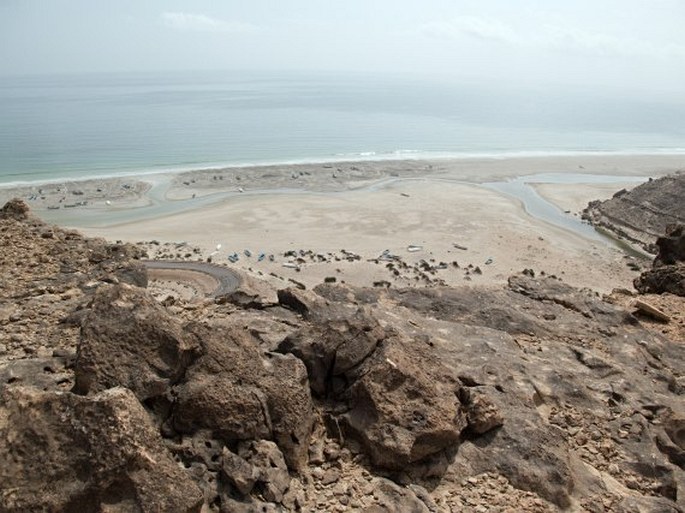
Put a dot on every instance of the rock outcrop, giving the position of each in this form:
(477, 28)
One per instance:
(128, 339)
(46, 275)
(219, 379)
(536, 396)
(668, 270)
(552, 364)
(642, 214)
(64, 452)
(240, 393)
(15, 209)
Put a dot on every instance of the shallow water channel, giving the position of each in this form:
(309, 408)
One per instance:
(540, 208)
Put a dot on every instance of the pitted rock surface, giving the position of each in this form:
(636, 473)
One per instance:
(64, 452)
(536, 396)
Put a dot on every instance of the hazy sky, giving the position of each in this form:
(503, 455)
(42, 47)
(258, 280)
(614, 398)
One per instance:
(636, 45)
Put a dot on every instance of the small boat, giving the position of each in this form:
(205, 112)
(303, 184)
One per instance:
(248, 253)
(386, 256)
(413, 249)
(260, 257)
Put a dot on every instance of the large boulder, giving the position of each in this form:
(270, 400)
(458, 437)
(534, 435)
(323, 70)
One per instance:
(660, 280)
(97, 453)
(240, 393)
(668, 271)
(15, 209)
(401, 404)
(194, 377)
(671, 246)
(403, 408)
(129, 340)
(333, 347)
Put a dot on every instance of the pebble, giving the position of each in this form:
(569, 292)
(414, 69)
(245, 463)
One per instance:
(44, 352)
(330, 476)
(331, 453)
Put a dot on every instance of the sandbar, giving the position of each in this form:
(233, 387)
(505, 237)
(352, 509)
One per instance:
(355, 222)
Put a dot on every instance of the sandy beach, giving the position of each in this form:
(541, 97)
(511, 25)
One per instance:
(397, 223)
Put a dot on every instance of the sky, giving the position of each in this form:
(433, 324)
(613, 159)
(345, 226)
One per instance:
(610, 45)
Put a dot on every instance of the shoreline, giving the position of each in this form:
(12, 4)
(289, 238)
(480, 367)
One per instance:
(132, 192)
(306, 222)
(148, 174)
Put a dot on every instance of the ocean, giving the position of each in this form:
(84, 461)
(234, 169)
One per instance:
(77, 126)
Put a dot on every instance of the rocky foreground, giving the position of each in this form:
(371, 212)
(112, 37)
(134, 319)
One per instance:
(533, 397)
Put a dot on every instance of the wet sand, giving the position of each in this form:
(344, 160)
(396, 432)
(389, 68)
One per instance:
(304, 216)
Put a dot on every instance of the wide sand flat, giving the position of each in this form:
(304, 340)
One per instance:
(367, 208)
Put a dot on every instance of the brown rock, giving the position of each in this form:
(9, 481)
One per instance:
(674, 425)
(663, 279)
(265, 456)
(233, 412)
(42, 373)
(668, 270)
(238, 472)
(391, 497)
(333, 347)
(242, 394)
(15, 209)
(128, 339)
(330, 476)
(671, 246)
(400, 409)
(650, 311)
(74, 453)
(300, 301)
(481, 412)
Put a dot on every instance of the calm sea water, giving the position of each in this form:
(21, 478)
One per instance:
(54, 127)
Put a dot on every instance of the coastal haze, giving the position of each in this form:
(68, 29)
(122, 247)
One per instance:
(91, 89)
(368, 256)
(84, 125)
(321, 128)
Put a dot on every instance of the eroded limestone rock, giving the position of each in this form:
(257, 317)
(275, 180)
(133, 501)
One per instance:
(240, 393)
(129, 340)
(65, 452)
